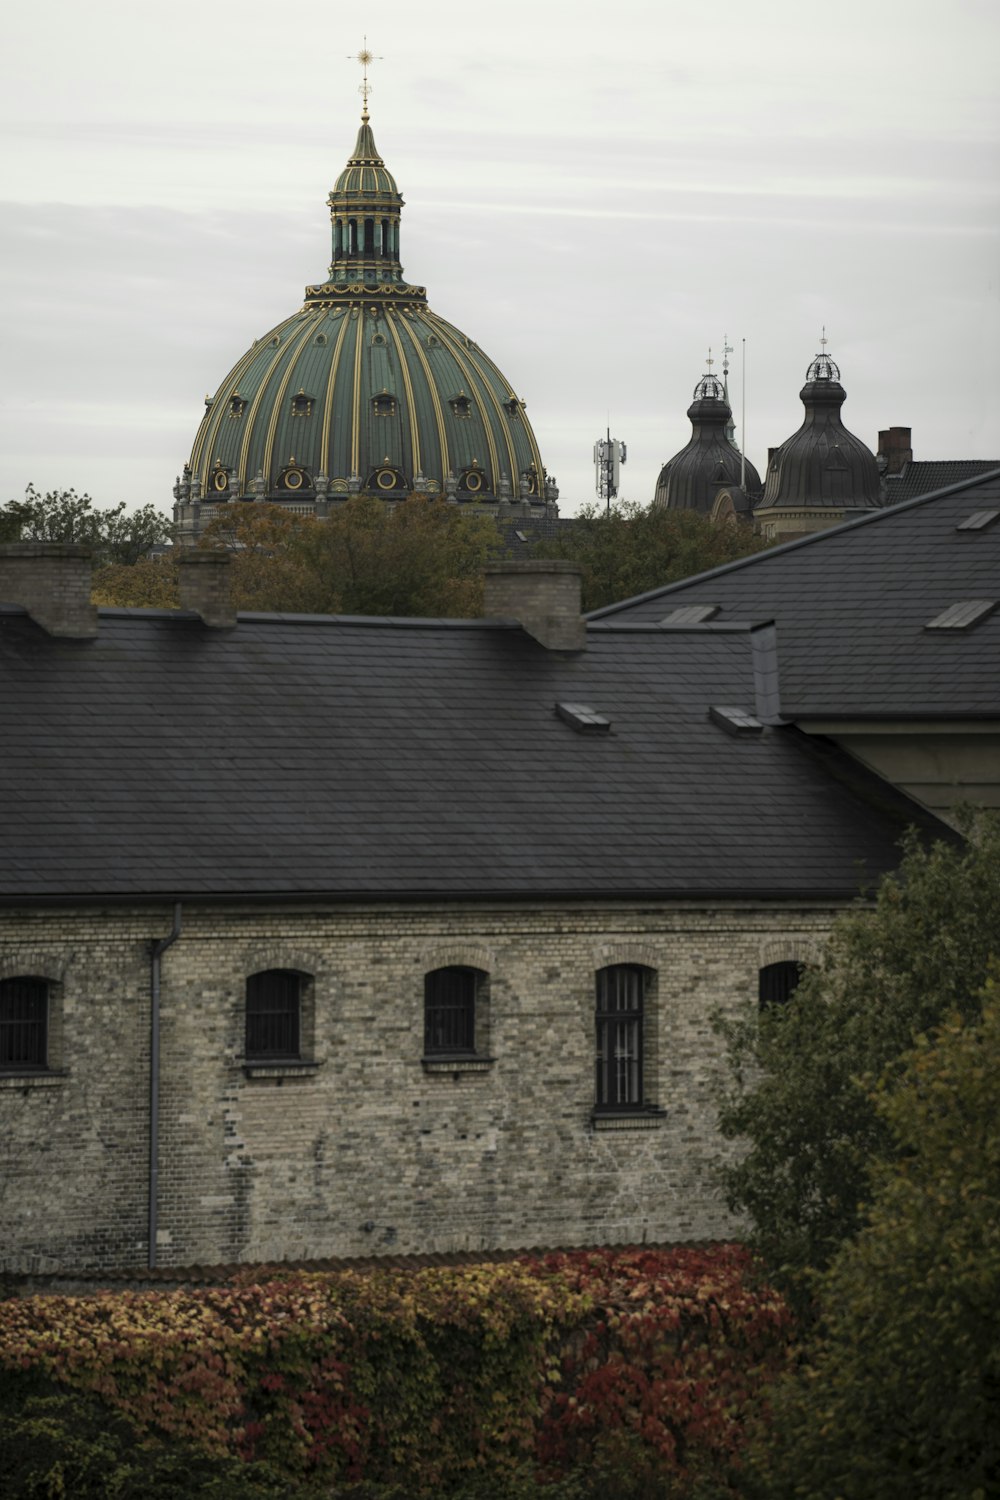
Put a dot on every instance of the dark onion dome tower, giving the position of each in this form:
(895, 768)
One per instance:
(711, 465)
(823, 474)
(363, 389)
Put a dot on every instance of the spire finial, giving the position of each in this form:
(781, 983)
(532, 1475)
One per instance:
(824, 340)
(710, 361)
(727, 350)
(365, 56)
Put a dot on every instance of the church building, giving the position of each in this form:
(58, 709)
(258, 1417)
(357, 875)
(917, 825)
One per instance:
(363, 390)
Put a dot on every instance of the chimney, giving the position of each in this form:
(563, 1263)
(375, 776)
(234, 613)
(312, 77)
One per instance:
(894, 450)
(543, 595)
(204, 587)
(51, 580)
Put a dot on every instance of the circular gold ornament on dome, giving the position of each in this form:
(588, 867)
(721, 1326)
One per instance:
(293, 479)
(385, 479)
(220, 480)
(473, 482)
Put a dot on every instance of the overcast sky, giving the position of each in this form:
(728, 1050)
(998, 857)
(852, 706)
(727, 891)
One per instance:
(595, 194)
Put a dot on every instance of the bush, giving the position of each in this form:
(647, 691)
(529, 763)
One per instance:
(611, 1370)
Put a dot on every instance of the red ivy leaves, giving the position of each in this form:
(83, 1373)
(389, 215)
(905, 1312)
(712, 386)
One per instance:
(586, 1357)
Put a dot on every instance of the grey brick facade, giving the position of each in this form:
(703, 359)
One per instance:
(373, 1148)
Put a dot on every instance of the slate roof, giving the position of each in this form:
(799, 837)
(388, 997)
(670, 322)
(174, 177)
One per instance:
(852, 606)
(359, 758)
(927, 475)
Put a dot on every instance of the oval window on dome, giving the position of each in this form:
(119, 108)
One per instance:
(473, 481)
(386, 479)
(220, 481)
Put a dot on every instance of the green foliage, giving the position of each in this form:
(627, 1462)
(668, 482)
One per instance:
(419, 558)
(631, 549)
(55, 1443)
(149, 583)
(558, 1379)
(900, 1397)
(115, 535)
(803, 1073)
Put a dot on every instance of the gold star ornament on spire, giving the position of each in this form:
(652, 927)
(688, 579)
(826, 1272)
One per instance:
(365, 57)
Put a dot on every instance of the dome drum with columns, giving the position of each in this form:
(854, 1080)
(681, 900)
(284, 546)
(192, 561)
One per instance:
(364, 390)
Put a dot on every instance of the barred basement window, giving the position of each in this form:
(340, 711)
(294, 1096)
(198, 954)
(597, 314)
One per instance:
(776, 983)
(24, 1024)
(621, 993)
(450, 1010)
(273, 1014)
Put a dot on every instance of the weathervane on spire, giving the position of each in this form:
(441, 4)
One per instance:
(727, 350)
(366, 56)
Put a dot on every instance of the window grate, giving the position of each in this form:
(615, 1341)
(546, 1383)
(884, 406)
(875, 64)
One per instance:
(620, 996)
(450, 1010)
(24, 1008)
(272, 1014)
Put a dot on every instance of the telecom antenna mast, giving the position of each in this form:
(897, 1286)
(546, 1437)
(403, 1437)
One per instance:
(609, 455)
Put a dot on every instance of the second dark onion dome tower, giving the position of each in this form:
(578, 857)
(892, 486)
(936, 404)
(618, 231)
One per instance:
(822, 474)
(363, 390)
(708, 470)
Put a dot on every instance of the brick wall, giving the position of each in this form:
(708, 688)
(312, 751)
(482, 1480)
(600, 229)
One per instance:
(371, 1150)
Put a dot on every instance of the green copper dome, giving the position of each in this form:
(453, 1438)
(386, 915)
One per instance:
(363, 389)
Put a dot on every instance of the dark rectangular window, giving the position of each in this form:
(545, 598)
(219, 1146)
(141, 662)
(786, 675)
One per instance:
(620, 995)
(450, 1010)
(272, 1016)
(24, 1020)
(776, 983)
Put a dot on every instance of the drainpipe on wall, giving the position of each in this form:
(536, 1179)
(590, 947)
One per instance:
(157, 950)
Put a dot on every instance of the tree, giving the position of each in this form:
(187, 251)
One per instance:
(149, 583)
(900, 1395)
(631, 549)
(802, 1073)
(115, 535)
(420, 557)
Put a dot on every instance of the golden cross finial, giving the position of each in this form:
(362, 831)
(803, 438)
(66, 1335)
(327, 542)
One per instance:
(366, 56)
